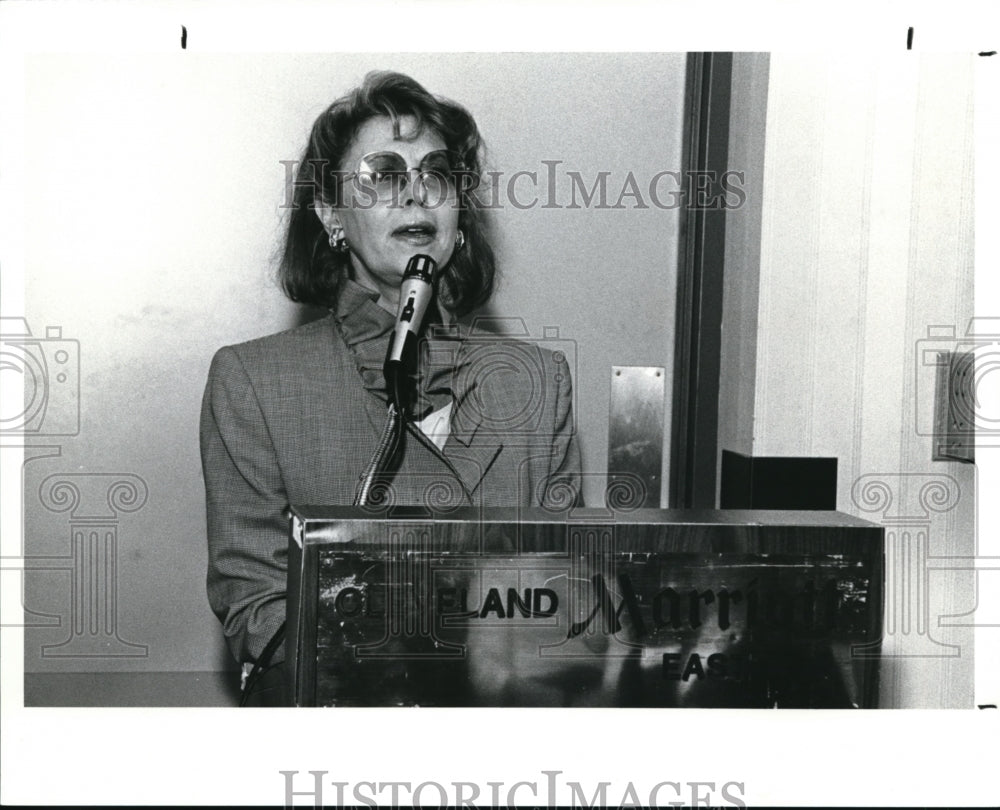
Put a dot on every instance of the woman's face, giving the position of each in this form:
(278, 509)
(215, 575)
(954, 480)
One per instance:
(384, 234)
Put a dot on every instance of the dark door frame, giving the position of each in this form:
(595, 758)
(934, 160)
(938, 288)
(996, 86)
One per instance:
(698, 347)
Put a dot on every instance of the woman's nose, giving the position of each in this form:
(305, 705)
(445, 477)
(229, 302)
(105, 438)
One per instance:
(413, 191)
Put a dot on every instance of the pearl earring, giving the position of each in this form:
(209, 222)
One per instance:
(338, 241)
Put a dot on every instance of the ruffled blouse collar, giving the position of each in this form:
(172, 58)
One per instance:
(365, 327)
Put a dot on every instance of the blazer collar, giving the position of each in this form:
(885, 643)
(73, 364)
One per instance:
(366, 329)
(472, 446)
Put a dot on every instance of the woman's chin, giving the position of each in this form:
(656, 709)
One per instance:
(410, 249)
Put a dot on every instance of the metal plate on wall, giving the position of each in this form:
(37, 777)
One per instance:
(635, 433)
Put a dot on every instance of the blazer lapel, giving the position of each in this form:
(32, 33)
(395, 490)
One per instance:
(471, 461)
(472, 447)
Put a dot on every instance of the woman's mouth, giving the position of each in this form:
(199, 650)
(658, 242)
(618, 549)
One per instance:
(419, 234)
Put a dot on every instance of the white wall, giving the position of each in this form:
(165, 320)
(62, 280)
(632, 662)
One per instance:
(741, 279)
(866, 243)
(152, 219)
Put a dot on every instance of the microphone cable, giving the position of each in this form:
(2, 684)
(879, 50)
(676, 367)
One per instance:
(262, 661)
(387, 445)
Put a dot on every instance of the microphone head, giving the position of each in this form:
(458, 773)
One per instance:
(420, 266)
(415, 294)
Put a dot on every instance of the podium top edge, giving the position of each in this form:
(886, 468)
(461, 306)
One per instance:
(584, 516)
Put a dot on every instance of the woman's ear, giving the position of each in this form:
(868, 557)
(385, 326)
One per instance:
(328, 216)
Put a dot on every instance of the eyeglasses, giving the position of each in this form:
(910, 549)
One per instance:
(441, 175)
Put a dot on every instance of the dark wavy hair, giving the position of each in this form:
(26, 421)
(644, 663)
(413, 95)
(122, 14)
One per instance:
(310, 270)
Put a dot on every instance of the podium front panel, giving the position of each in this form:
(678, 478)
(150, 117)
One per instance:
(653, 608)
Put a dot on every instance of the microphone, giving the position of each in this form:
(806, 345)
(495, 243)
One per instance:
(415, 295)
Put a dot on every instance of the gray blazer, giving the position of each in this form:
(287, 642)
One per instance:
(286, 420)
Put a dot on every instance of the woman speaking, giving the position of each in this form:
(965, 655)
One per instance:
(389, 173)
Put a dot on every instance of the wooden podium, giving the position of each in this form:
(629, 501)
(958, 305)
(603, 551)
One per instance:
(525, 607)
